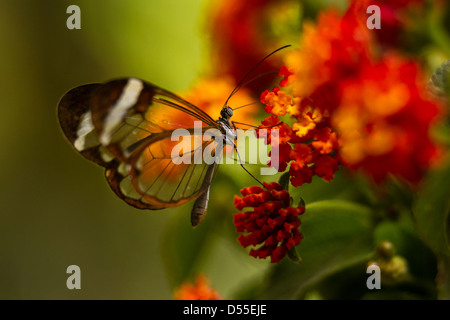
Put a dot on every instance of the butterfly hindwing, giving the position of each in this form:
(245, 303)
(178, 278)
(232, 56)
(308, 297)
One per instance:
(168, 180)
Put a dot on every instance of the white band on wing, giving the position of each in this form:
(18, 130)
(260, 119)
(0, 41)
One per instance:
(127, 99)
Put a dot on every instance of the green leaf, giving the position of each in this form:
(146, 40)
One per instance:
(343, 186)
(301, 203)
(431, 211)
(337, 234)
(294, 256)
(284, 181)
(432, 220)
(443, 278)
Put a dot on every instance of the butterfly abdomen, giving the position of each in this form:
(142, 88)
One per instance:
(200, 207)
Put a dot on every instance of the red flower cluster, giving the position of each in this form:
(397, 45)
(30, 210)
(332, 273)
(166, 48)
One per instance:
(350, 106)
(309, 154)
(273, 223)
(384, 121)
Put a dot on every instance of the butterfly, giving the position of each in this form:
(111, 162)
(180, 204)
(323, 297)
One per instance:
(127, 126)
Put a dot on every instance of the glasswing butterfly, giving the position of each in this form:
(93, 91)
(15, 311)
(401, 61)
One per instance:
(126, 126)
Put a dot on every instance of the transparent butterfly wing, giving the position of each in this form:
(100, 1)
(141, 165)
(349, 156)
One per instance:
(127, 126)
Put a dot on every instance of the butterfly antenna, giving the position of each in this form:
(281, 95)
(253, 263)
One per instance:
(246, 105)
(250, 81)
(253, 79)
(239, 85)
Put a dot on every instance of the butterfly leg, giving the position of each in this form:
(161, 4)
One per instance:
(242, 165)
(240, 160)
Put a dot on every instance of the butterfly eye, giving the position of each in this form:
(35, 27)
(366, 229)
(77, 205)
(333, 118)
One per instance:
(226, 112)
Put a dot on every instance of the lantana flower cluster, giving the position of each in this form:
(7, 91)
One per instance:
(272, 224)
(350, 106)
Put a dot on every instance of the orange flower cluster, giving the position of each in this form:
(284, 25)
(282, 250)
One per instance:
(200, 290)
(209, 94)
(272, 224)
(350, 106)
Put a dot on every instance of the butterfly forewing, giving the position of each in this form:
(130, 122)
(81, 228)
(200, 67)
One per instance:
(126, 125)
(75, 118)
(127, 111)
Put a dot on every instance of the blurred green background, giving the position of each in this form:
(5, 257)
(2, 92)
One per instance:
(56, 208)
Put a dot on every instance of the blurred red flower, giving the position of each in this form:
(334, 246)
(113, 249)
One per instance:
(242, 31)
(384, 119)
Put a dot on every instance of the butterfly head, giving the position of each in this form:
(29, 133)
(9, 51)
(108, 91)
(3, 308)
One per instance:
(226, 113)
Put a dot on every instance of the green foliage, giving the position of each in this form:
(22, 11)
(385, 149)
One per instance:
(342, 231)
(184, 247)
(432, 217)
